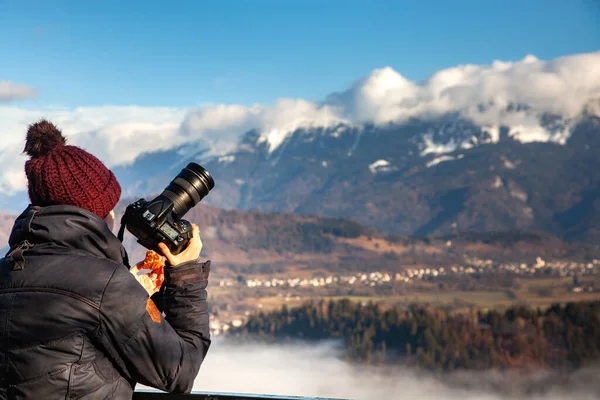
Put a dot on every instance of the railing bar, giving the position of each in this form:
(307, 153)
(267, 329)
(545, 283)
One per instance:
(145, 394)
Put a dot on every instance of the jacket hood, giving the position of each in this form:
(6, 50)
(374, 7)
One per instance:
(67, 227)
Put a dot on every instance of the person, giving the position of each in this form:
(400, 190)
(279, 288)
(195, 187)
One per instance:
(74, 322)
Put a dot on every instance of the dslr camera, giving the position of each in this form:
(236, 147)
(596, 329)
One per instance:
(159, 220)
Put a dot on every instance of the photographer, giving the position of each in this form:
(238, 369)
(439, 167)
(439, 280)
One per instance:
(74, 322)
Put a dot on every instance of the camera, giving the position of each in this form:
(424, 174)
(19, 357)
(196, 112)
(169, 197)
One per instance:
(159, 220)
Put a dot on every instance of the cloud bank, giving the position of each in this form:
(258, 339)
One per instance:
(562, 86)
(487, 94)
(316, 370)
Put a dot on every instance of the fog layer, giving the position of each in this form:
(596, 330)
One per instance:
(319, 371)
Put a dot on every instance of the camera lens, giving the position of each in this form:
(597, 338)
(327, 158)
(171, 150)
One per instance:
(188, 188)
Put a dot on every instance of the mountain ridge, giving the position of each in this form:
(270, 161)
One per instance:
(456, 176)
(256, 243)
(386, 178)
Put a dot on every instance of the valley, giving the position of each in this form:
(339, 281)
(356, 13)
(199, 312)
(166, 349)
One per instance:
(262, 261)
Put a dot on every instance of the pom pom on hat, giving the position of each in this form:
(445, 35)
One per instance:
(42, 138)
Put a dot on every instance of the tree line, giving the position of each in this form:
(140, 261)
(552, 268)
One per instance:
(561, 336)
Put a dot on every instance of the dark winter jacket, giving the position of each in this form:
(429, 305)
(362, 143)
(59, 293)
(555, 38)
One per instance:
(75, 323)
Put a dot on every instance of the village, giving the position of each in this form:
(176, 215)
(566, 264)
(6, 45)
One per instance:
(472, 267)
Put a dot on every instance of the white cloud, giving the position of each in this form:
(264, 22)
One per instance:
(290, 114)
(562, 86)
(13, 91)
(118, 134)
(120, 144)
(222, 125)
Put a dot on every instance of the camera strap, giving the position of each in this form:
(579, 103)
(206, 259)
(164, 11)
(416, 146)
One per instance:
(120, 237)
(121, 233)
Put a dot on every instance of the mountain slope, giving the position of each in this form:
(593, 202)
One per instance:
(401, 180)
(255, 242)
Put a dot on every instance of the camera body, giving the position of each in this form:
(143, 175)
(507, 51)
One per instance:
(153, 222)
(160, 220)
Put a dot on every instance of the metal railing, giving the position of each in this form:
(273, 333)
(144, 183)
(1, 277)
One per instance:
(147, 395)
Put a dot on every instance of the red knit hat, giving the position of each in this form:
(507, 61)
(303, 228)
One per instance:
(61, 174)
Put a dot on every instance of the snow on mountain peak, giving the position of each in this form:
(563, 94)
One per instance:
(441, 159)
(381, 166)
(430, 147)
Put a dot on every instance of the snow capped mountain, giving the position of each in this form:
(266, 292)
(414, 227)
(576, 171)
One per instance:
(535, 100)
(529, 101)
(422, 177)
(508, 145)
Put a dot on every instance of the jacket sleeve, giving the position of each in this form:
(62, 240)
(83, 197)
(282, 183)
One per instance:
(164, 352)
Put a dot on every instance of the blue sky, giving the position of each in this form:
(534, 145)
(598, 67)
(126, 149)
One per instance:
(185, 53)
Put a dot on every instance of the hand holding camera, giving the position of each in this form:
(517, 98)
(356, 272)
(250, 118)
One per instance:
(191, 252)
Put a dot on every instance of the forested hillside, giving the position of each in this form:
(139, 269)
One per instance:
(562, 336)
